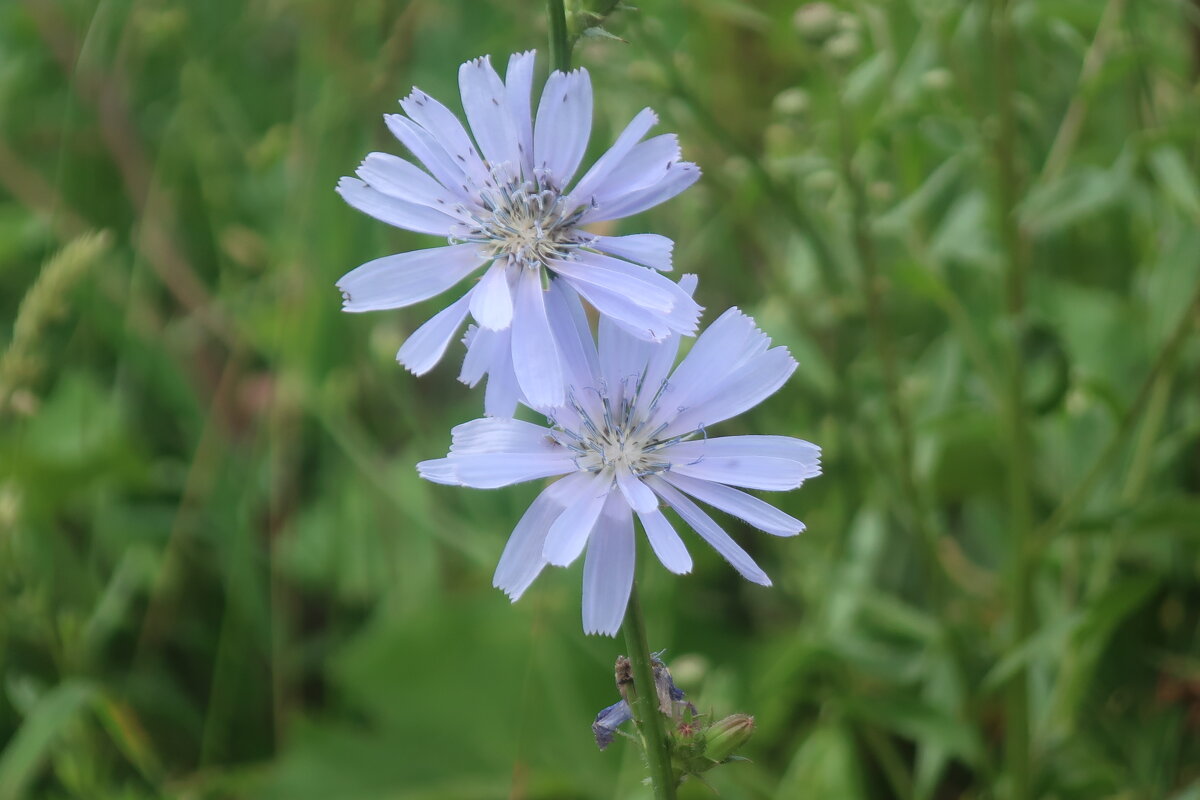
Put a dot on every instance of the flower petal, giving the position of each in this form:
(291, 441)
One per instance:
(482, 346)
(608, 569)
(493, 470)
(425, 348)
(640, 498)
(644, 166)
(448, 132)
(439, 470)
(637, 320)
(648, 249)
(573, 337)
(746, 507)
(522, 559)
(710, 531)
(772, 463)
(486, 104)
(739, 390)
(433, 156)
(684, 316)
(680, 176)
(634, 131)
(490, 353)
(398, 178)
(490, 435)
(570, 531)
(661, 358)
(564, 123)
(518, 82)
(502, 393)
(393, 211)
(534, 352)
(623, 359)
(665, 542)
(731, 340)
(807, 454)
(643, 286)
(491, 302)
(751, 472)
(407, 278)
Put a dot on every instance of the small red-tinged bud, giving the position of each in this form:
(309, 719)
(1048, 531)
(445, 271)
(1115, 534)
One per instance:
(725, 737)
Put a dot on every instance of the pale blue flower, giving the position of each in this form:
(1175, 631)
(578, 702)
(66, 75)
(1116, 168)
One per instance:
(633, 435)
(507, 200)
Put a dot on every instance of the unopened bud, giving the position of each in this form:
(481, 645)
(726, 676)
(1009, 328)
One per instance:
(844, 47)
(727, 736)
(822, 180)
(937, 79)
(791, 102)
(815, 21)
(881, 191)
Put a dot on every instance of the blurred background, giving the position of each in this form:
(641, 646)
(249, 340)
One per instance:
(976, 225)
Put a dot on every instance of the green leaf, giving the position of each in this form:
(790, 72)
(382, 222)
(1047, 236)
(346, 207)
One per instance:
(965, 232)
(1175, 177)
(1076, 196)
(827, 764)
(28, 750)
(920, 722)
(898, 618)
(1079, 662)
(868, 79)
(596, 32)
(898, 221)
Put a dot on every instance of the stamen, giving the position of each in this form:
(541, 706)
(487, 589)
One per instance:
(619, 436)
(527, 221)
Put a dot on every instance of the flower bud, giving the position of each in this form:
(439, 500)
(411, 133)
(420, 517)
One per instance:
(727, 736)
(815, 21)
(791, 102)
(822, 180)
(937, 79)
(844, 47)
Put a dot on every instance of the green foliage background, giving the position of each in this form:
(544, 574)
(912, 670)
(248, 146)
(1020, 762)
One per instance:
(976, 224)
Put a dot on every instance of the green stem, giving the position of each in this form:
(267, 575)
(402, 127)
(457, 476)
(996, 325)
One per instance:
(643, 701)
(560, 41)
(1017, 749)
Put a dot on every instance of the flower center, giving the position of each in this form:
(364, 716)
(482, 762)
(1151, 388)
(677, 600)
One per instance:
(526, 221)
(618, 435)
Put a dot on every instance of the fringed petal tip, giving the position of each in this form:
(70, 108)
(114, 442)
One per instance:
(611, 633)
(414, 95)
(511, 593)
(574, 73)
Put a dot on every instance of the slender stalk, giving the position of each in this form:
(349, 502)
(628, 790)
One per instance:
(560, 41)
(1072, 121)
(1017, 749)
(643, 701)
